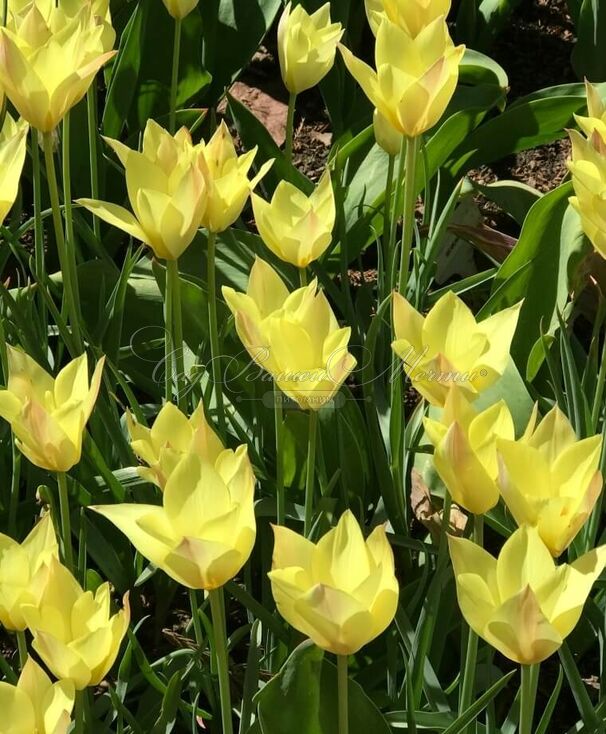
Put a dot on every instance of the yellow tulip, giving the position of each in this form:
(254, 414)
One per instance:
(13, 142)
(180, 8)
(415, 77)
(167, 188)
(47, 414)
(448, 347)
(205, 530)
(171, 437)
(522, 603)
(410, 15)
(307, 45)
(24, 571)
(551, 479)
(229, 185)
(294, 336)
(465, 453)
(75, 634)
(386, 135)
(341, 592)
(588, 169)
(595, 121)
(48, 63)
(35, 705)
(295, 227)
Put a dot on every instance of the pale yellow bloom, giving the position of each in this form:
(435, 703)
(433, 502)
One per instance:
(13, 143)
(386, 135)
(410, 15)
(415, 77)
(180, 8)
(167, 188)
(49, 56)
(75, 634)
(35, 705)
(307, 45)
(294, 336)
(595, 122)
(205, 529)
(341, 592)
(47, 414)
(522, 603)
(465, 453)
(449, 347)
(295, 227)
(24, 571)
(551, 479)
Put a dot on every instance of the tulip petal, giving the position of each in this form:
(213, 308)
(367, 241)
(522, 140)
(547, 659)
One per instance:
(291, 549)
(63, 662)
(523, 561)
(17, 710)
(116, 216)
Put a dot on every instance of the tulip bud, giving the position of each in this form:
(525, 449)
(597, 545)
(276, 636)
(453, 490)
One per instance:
(465, 453)
(386, 135)
(24, 571)
(522, 603)
(180, 8)
(295, 227)
(415, 77)
(205, 530)
(167, 187)
(341, 592)
(47, 414)
(307, 45)
(229, 185)
(13, 142)
(595, 122)
(35, 705)
(448, 347)
(75, 634)
(49, 57)
(171, 437)
(295, 337)
(551, 479)
(410, 15)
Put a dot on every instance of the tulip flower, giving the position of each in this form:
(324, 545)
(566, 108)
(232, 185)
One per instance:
(341, 592)
(550, 479)
(205, 530)
(307, 45)
(13, 142)
(229, 185)
(415, 77)
(595, 121)
(167, 188)
(35, 705)
(465, 453)
(448, 347)
(48, 63)
(410, 15)
(47, 414)
(295, 337)
(75, 634)
(171, 437)
(179, 9)
(588, 169)
(295, 227)
(24, 571)
(522, 603)
(386, 135)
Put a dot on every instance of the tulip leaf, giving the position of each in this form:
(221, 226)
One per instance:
(589, 53)
(302, 698)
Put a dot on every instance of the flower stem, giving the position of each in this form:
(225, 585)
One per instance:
(79, 706)
(173, 295)
(69, 288)
(195, 617)
(174, 83)
(290, 120)
(279, 424)
(303, 277)
(66, 530)
(528, 695)
(22, 646)
(214, 331)
(38, 228)
(387, 218)
(91, 113)
(220, 638)
(169, 349)
(395, 214)
(311, 465)
(342, 694)
(412, 150)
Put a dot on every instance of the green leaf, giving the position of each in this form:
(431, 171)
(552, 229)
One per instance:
(589, 53)
(514, 197)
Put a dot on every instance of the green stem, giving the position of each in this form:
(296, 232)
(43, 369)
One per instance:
(290, 120)
(38, 229)
(412, 149)
(22, 646)
(66, 530)
(279, 424)
(528, 695)
(69, 291)
(215, 352)
(311, 465)
(67, 210)
(303, 277)
(342, 694)
(14, 498)
(387, 217)
(91, 114)
(79, 707)
(169, 349)
(220, 639)
(173, 295)
(174, 82)
(395, 214)
(195, 617)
